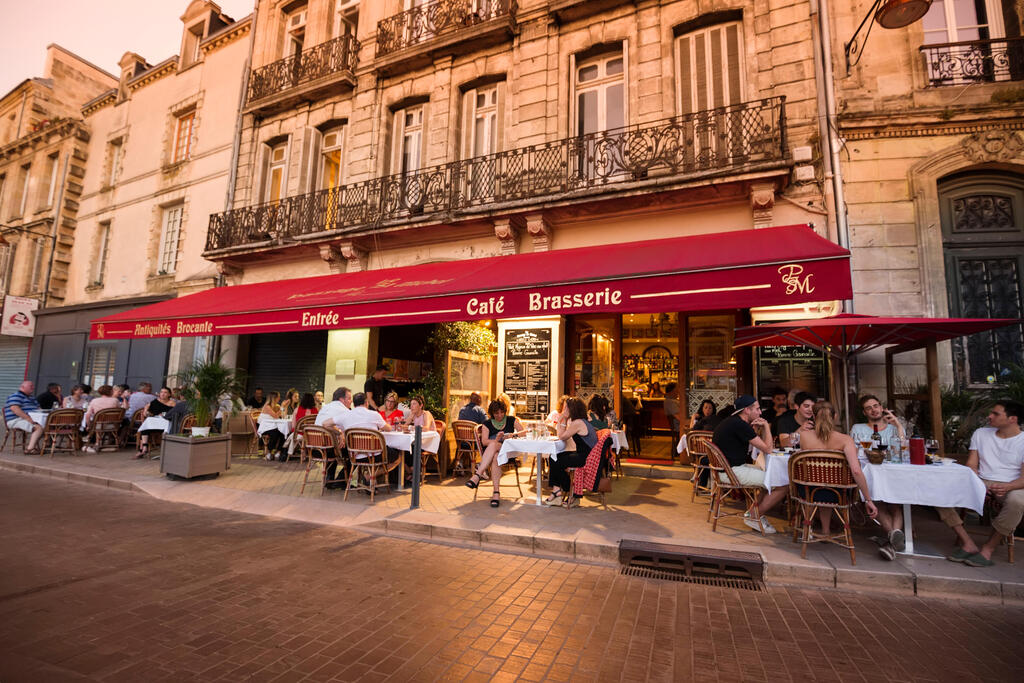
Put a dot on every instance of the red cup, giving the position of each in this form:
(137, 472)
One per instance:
(917, 451)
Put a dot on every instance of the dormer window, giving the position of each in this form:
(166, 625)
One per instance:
(190, 52)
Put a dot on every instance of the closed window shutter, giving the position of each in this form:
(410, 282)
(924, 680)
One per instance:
(499, 125)
(397, 130)
(466, 132)
(710, 68)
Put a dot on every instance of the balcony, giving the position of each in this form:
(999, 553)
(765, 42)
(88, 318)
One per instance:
(653, 157)
(415, 37)
(321, 70)
(975, 61)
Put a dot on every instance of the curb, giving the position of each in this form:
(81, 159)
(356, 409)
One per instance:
(590, 547)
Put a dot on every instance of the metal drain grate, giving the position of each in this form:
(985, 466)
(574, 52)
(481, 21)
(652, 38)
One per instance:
(700, 579)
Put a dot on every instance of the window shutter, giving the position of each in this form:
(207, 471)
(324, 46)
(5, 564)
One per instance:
(262, 177)
(397, 127)
(424, 134)
(499, 119)
(733, 57)
(685, 75)
(466, 133)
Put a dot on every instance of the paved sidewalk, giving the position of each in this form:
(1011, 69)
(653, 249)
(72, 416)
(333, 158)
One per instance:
(638, 508)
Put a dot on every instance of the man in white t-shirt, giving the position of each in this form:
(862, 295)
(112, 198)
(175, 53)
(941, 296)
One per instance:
(361, 417)
(890, 515)
(329, 414)
(997, 456)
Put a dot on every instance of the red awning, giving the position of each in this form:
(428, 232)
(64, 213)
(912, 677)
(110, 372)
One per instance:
(765, 267)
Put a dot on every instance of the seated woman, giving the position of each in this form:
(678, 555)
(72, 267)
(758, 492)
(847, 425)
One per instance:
(579, 437)
(418, 415)
(597, 411)
(704, 418)
(307, 406)
(106, 399)
(498, 427)
(290, 403)
(390, 412)
(275, 438)
(158, 406)
(555, 416)
(507, 402)
(825, 436)
(78, 398)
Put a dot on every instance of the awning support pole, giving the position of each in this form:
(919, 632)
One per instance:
(935, 392)
(417, 464)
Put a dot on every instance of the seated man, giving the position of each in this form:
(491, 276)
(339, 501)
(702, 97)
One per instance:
(789, 424)
(734, 437)
(330, 413)
(16, 415)
(472, 410)
(361, 417)
(890, 515)
(997, 456)
(51, 398)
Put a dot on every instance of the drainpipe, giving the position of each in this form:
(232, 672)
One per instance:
(58, 200)
(827, 124)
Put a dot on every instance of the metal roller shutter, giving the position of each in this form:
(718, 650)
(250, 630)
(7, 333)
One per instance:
(278, 362)
(13, 358)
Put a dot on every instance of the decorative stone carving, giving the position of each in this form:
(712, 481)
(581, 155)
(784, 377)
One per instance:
(507, 230)
(354, 257)
(762, 203)
(332, 255)
(992, 145)
(540, 230)
(228, 269)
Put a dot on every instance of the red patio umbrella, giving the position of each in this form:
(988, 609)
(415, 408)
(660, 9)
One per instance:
(848, 334)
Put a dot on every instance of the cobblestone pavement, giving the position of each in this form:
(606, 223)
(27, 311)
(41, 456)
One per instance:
(97, 584)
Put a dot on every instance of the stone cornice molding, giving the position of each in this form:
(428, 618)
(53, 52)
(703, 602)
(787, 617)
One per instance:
(62, 128)
(107, 99)
(879, 127)
(164, 68)
(993, 146)
(228, 35)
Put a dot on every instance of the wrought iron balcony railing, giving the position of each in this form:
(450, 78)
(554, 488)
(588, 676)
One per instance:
(976, 60)
(424, 22)
(333, 57)
(713, 142)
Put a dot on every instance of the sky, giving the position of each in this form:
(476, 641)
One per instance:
(99, 31)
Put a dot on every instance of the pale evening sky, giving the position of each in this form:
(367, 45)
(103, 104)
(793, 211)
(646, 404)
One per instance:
(99, 31)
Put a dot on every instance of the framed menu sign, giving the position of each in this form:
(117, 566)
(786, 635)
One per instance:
(791, 367)
(527, 376)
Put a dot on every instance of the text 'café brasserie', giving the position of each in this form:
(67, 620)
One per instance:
(620, 322)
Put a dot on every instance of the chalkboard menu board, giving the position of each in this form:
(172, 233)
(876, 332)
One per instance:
(528, 371)
(791, 367)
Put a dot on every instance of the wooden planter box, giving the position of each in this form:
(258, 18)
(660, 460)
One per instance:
(243, 439)
(187, 457)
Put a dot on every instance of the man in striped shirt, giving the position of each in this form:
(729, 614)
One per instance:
(16, 414)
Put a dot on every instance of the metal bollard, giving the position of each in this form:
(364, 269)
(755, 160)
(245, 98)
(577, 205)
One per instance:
(417, 465)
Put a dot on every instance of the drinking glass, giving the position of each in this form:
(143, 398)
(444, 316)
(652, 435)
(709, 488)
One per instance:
(931, 446)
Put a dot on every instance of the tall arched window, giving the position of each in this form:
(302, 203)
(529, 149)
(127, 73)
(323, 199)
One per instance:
(982, 218)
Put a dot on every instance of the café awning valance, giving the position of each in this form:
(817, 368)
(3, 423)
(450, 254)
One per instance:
(739, 269)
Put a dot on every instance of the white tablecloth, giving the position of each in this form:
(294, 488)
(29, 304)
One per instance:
(550, 447)
(155, 423)
(430, 441)
(776, 470)
(619, 440)
(38, 416)
(939, 485)
(265, 423)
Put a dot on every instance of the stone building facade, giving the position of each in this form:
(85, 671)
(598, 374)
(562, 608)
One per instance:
(932, 123)
(380, 135)
(43, 153)
(161, 145)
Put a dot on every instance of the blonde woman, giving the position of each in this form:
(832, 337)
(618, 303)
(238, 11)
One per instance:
(275, 437)
(290, 402)
(825, 436)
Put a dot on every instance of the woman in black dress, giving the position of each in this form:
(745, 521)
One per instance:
(158, 406)
(579, 437)
(497, 429)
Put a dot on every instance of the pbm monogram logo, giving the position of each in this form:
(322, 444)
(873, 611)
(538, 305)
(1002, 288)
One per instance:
(795, 280)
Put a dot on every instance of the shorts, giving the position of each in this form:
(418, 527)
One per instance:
(22, 424)
(820, 495)
(747, 475)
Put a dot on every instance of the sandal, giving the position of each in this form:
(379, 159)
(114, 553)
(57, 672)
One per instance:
(554, 499)
(32, 451)
(473, 484)
(495, 499)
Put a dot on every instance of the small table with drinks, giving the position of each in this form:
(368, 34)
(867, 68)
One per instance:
(536, 444)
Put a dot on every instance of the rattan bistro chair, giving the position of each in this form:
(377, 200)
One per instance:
(467, 448)
(106, 428)
(366, 456)
(511, 466)
(697, 443)
(320, 446)
(61, 432)
(812, 473)
(724, 482)
(427, 456)
(297, 437)
(130, 431)
(187, 423)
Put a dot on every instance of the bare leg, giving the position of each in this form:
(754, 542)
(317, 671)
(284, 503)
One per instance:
(991, 544)
(772, 499)
(887, 517)
(966, 542)
(33, 440)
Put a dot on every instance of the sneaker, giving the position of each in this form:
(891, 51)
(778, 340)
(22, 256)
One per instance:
(978, 560)
(898, 540)
(89, 449)
(752, 523)
(887, 551)
(958, 555)
(270, 456)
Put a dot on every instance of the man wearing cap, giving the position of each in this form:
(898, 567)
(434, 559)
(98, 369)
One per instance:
(734, 437)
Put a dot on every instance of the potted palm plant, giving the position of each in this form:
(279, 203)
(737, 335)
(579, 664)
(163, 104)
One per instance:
(203, 385)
